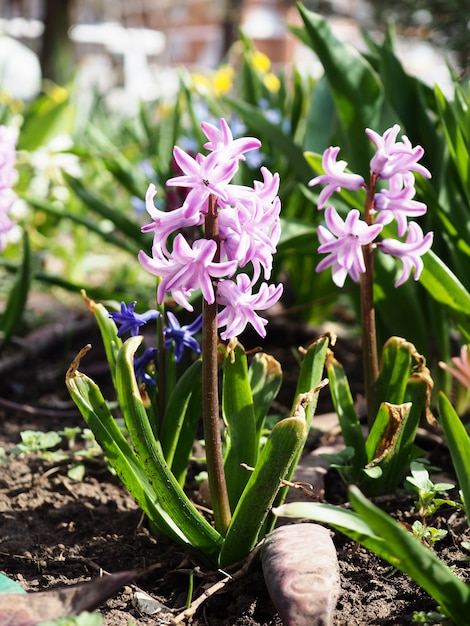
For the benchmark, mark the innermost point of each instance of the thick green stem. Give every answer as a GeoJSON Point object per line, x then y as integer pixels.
{"type": "Point", "coordinates": [369, 339]}
{"type": "Point", "coordinates": [210, 402]}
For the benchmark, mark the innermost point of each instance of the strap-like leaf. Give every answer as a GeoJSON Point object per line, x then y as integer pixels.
{"type": "Point", "coordinates": [13, 313]}
{"type": "Point", "coordinates": [458, 441]}
{"type": "Point", "coordinates": [89, 400]}
{"type": "Point", "coordinates": [347, 416]}
{"type": "Point", "coordinates": [239, 417]}
{"type": "Point", "coordinates": [409, 555]}
{"type": "Point", "coordinates": [172, 499]}
{"type": "Point", "coordinates": [176, 409]}
{"type": "Point", "coordinates": [282, 447]}
{"type": "Point", "coordinates": [356, 89]}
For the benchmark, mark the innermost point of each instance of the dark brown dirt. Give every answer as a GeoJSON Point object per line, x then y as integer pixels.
{"type": "Point", "coordinates": [55, 531]}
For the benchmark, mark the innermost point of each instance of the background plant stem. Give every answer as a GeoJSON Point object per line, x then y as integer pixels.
{"type": "Point", "coordinates": [369, 338]}
{"type": "Point", "coordinates": [210, 392]}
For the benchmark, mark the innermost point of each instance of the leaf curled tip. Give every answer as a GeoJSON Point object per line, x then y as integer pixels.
{"type": "Point", "coordinates": [231, 347]}
{"type": "Point", "coordinates": [72, 370]}
{"type": "Point", "coordinates": [273, 366]}
{"type": "Point", "coordinates": [91, 304]}
{"type": "Point", "coordinates": [329, 335]}
{"type": "Point", "coordinates": [304, 399]}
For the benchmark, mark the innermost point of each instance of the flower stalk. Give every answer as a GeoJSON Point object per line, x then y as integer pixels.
{"type": "Point", "coordinates": [241, 231]}
{"type": "Point", "coordinates": [350, 244]}
{"type": "Point", "coordinates": [210, 404]}
{"type": "Point", "coordinates": [369, 335]}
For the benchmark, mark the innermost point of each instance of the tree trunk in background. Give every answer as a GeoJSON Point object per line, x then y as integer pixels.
{"type": "Point", "coordinates": [56, 55]}
{"type": "Point", "coordinates": [231, 23]}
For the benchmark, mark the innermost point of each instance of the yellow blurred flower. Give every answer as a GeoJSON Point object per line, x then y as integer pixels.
{"type": "Point", "coordinates": [200, 81]}
{"type": "Point", "coordinates": [164, 109]}
{"type": "Point", "coordinates": [272, 82]}
{"type": "Point", "coordinates": [222, 80]}
{"type": "Point", "coordinates": [261, 62]}
{"type": "Point", "coordinates": [58, 94]}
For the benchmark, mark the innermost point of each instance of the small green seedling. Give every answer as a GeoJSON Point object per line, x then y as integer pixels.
{"type": "Point", "coordinates": [84, 619]}
{"type": "Point", "coordinates": [429, 618]}
{"type": "Point", "coordinates": [427, 502]}
{"type": "Point", "coordinates": [49, 446]}
{"type": "Point", "coordinates": [39, 443]}
{"type": "Point", "coordinates": [71, 434]}
{"type": "Point", "coordinates": [427, 534]}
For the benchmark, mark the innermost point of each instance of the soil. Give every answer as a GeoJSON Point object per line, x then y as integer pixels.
{"type": "Point", "coordinates": [56, 531]}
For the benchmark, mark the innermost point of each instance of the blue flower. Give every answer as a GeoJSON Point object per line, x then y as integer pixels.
{"type": "Point", "coordinates": [182, 335]}
{"type": "Point", "coordinates": [141, 363]}
{"type": "Point", "coordinates": [131, 321]}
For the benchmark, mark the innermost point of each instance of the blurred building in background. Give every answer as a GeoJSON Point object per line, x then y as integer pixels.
{"type": "Point", "coordinates": [194, 32]}
{"type": "Point", "coordinates": [137, 44]}
{"type": "Point", "coordinates": [132, 38]}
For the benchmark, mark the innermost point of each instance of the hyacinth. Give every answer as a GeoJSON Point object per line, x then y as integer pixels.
{"type": "Point", "coordinates": [8, 177]}
{"type": "Point", "coordinates": [335, 178]}
{"type": "Point", "coordinates": [141, 365]}
{"type": "Point", "coordinates": [175, 335]}
{"type": "Point", "coordinates": [130, 321]}
{"type": "Point", "coordinates": [461, 369]}
{"type": "Point", "coordinates": [394, 162]}
{"type": "Point", "coordinates": [343, 241]}
{"type": "Point", "coordinates": [395, 157]}
{"type": "Point", "coordinates": [181, 336]}
{"type": "Point", "coordinates": [248, 233]}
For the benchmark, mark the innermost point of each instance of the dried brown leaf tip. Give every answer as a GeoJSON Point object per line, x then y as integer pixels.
{"type": "Point", "coordinates": [73, 368]}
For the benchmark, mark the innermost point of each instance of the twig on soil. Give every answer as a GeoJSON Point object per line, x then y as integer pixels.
{"type": "Point", "coordinates": [207, 593]}
{"type": "Point", "coordinates": [42, 340]}
{"type": "Point", "coordinates": [305, 488]}
{"type": "Point", "coordinates": [27, 409]}
{"type": "Point", "coordinates": [97, 568]}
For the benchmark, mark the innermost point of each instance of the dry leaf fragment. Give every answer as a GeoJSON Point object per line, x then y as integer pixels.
{"type": "Point", "coordinates": [19, 609]}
